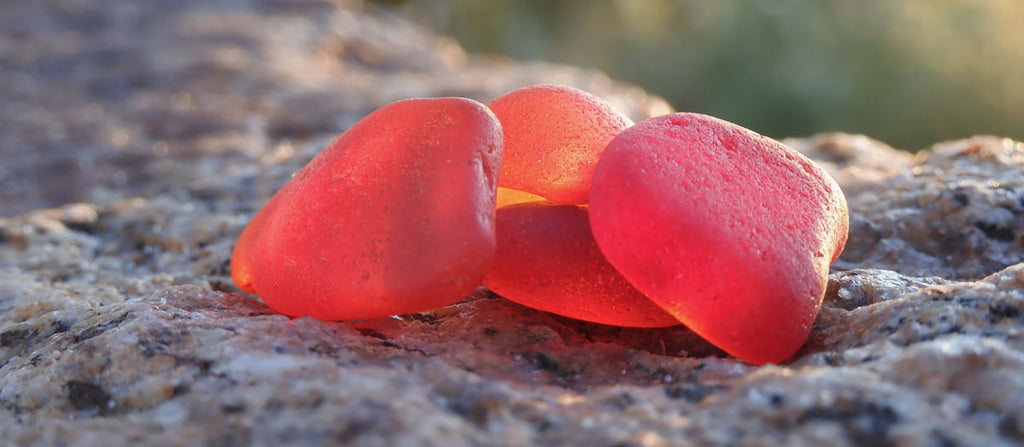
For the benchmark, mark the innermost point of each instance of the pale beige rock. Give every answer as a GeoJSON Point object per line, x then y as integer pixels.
{"type": "Point", "coordinates": [173, 121]}
{"type": "Point", "coordinates": [955, 211]}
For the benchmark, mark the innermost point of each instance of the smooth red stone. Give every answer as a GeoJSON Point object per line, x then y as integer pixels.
{"type": "Point", "coordinates": [395, 216]}
{"type": "Point", "coordinates": [554, 136]}
{"type": "Point", "coordinates": [548, 260]}
{"type": "Point", "coordinates": [729, 231]}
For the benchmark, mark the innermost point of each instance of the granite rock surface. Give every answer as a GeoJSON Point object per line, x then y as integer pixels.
{"type": "Point", "coordinates": [137, 139]}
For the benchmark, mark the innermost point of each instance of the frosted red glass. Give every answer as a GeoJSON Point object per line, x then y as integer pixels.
{"type": "Point", "coordinates": [395, 216]}
{"type": "Point", "coordinates": [729, 231]}
{"type": "Point", "coordinates": [554, 136]}
{"type": "Point", "coordinates": [548, 260]}
{"type": "Point", "coordinates": [508, 197]}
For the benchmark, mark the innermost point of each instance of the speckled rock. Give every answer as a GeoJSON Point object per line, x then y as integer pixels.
{"type": "Point", "coordinates": [955, 210]}
{"type": "Point", "coordinates": [171, 122]}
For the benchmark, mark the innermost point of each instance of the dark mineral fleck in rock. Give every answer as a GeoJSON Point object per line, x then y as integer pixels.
{"type": "Point", "coordinates": [88, 396]}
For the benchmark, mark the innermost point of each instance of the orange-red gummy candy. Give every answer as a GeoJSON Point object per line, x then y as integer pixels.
{"type": "Point", "coordinates": [729, 231]}
{"type": "Point", "coordinates": [554, 136]}
{"type": "Point", "coordinates": [395, 216]}
{"type": "Point", "coordinates": [548, 260]}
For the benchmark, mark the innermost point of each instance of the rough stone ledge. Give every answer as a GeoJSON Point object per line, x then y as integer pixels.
{"type": "Point", "coordinates": [191, 365]}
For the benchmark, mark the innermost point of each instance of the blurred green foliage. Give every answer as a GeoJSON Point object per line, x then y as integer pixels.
{"type": "Point", "coordinates": [907, 72]}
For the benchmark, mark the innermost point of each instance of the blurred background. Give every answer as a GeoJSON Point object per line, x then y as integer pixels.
{"type": "Point", "coordinates": [909, 73]}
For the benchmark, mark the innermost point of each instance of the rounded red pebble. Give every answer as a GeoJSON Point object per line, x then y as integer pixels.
{"type": "Point", "coordinates": [729, 231]}
{"type": "Point", "coordinates": [554, 136]}
{"type": "Point", "coordinates": [548, 260]}
{"type": "Point", "coordinates": [395, 216]}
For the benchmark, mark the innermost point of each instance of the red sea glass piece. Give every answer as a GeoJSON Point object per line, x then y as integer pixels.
{"type": "Point", "coordinates": [548, 260]}
{"type": "Point", "coordinates": [508, 197]}
{"type": "Point", "coordinates": [554, 136]}
{"type": "Point", "coordinates": [395, 216]}
{"type": "Point", "coordinates": [729, 231]}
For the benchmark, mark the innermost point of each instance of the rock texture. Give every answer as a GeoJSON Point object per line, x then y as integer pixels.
{"type": "Point", "coordinates": [955, 210]}
{"type": "Point", "coordinates": [171, 122]}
